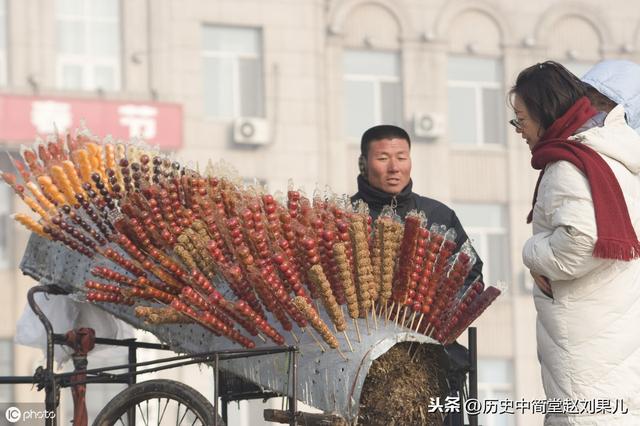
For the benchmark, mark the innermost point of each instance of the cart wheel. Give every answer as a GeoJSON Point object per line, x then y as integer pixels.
{"type": "Point", "coordinates": [157, 402]}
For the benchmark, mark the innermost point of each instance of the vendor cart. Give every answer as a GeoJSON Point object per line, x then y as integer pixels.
{"type": "Point", "coordinates": [319, 378]}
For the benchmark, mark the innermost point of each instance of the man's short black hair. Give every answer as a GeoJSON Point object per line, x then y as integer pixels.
{"type": "Point", "coordinates": [383, 131]}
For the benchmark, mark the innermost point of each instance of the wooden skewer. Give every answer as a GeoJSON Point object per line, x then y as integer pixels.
{"type": "Point", "coordinates": [366, 319]}
{"type": "Point", "coordinates": [355, 322]}
{"type": "Point", "coordinates": [393, 305]}
{"type": "Point", "coordinates": [415, 353]}
{"type": "Point", "coordinates": [413, 317]}
{"type": "Point", "coordinates": [261, 337]}
{"type": "Point", "coordinates": [428, 332]}
{"type": "Point", "coordinates": [294, 336]}
{"type": "Point", "coordinates": [397, 314]}
{"type": "Point", "coordinates": [419, 322]}
{"type": "Point", "coordinates": [346, 336]}
{"type": "Point", "coordinates": [410, 347]}
{"type": "Point", "coordinates": [317, 341]}
{"type": "Point", "coordinates": [342, 355]}
{"type": "Point", "coordinates": [373, 314]}
{"type": "Point", "coordinates": [404, 315]}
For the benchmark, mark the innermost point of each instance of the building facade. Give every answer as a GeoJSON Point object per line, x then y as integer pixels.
{"type": "Point", "coordinates": [282, 89]}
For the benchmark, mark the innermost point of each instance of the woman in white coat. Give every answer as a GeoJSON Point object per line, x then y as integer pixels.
{"type": "Point", "coordinates": [584, 250]}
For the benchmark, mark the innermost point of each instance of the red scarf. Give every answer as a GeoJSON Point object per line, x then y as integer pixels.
{"type": "Point", "coordinates": [617, 238]}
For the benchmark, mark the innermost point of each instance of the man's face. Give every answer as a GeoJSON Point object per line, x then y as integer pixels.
{"type": "Point", "coordinates": [389, 164]}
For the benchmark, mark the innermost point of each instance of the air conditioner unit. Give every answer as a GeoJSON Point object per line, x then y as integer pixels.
{"type": "Point", "coordinates": [428, 125]}
{"type": "Point", "coordinates": [251, 131]}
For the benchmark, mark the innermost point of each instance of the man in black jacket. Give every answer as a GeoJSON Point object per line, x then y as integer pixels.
{"type": "Point", "coordinates": [385, 179]}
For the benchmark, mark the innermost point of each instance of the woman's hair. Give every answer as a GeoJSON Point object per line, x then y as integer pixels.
{"type": "Point", "coordinates": [599, 100]}
{"type": "Point", "coordinates": [548, 90]}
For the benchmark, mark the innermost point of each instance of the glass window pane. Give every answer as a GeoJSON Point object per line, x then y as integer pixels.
{"type": "Point", "coordinates": [391, 99]}
{"type": "Point", "coordinates": [498, 258]}
{"type": "Point", "coordinates": [462, 115]}
{"type": "Point", "coordinates": [466, 68]}
{"type": "Point", "coordinates": [103, 8]}
{"type": "Point", "coordinates": [371, 63]}
{"type": "Point", "coordinates": [359, 107]}
{"type": "Point", "coordinates": [70, 7]}
{"type": "Point", "coordinates": [493, 106]}
{"type": "Point", "coordinates": [72, 77]}
{"type": "Point", "coordinates": [104, 39]}
{"type": "Point", "coordinates": [251, 97]}
{"type": "Point", "coordinates": [218, 87]}
{"type": "Point", "coordinates": [71, 37]}
{"type": "Point", "coordinates": [105, 78]}
{"type": "Point", "coordinates": [231, 40]}
{"type": "Point", "coordinates": [481, 215]}
{"type": "Point", "coordinates": [494, 371]}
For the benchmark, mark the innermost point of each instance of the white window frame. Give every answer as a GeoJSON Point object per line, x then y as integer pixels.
{"type": "Point", "coordinates": [477, 86]}
{"type": "Point", "coordinates": [377, 81]}
{"type": "Point", "coordinates": [89, 62]}
{"type": "Point", "coordinates": [236, 95]}
{"type": "Point", "coordinates": [479, 141]}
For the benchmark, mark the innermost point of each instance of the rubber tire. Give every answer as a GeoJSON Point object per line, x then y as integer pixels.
{"type": "Point", "coordinates": [152, 389]}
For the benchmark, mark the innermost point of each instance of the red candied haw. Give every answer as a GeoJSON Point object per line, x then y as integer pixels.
{"type": "Point", "coordinates": [328, 236]}
{"type": "Point", "coordinates": [342, 227]}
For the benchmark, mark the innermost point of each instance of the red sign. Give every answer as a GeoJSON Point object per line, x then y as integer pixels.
{"type": "Point", "coordinates": [22, 118]}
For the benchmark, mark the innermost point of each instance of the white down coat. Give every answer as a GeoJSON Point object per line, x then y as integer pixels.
{"type": "Point", "coordinates": [588, 335]}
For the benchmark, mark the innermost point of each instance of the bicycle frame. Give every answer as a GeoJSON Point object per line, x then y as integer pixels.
{"type": "Point", "coordinates": [47, 379]}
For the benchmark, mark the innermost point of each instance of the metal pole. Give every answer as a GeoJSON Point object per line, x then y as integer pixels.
{"type": "Point", "coordinates": [215, 390]}
{"type": "Point", "coordinates": [225, 410]}
{"type": "Point", "coordinates": [293, 400]}
{"type": "Point", "coordinates": [50, 390]}
{"type": "Point", "coordinates": [133, 359]}
{"type": "Point", "coordinates": [473, 371]}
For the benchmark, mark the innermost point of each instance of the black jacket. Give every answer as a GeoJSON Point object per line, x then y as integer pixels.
{"type": "Point", "coordinates": [408, 200]}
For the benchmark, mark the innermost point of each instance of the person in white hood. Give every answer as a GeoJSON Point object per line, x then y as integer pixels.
{"type": "Point", "coordinates": [584, 251]}
{"type": "Point", "coordinates": [619, 81]}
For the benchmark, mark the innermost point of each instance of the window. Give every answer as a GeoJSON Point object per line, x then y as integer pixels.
{"type": "Point", "coordinates": [495, 382]}
{"type": "Point", "coordinates": [88, 44]}
{"type": "Point", "coordinates": [6, 368]}
{"type": "Point", "coordinates": [3, 42]}
{"type": "Point", "coordinates": [476, 101]}
{"type": "Point", "coordinates": [373, 90]}
{"type": "Point", "coordinates": [233, 80]}
{"type": "Point", "coordinates": [487, 228]}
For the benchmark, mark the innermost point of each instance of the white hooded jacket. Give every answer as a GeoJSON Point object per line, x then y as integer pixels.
{"type": "Point", "coordinates": [588, 338]}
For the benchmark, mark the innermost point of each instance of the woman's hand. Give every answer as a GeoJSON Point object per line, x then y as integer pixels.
{"type": "Point", "coordinates": [543, 284]}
